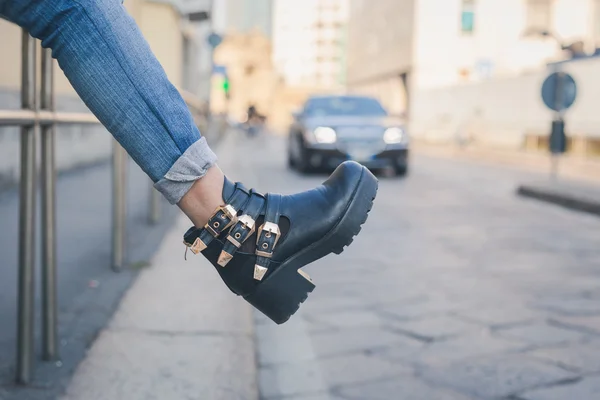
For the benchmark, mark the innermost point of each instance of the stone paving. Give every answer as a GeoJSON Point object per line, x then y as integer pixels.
{"type": "Point", "coordinates": [456, 289]}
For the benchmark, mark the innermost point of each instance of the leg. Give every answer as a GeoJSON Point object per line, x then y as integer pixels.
{"type": "Point", "coordinates": [110, 65]}
{"type": "Point", "coordinates": [258, 243]}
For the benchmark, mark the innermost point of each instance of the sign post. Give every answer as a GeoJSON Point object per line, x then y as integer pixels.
{"type": "Point", "coordinates": [559, 92]}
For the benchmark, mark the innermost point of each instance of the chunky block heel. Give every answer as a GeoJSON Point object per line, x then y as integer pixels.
{"type": "Point", "coordinates": [280, 296]}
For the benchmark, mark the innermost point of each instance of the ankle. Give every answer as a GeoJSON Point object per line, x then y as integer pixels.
{"type": "Point", "coordinates": [204, 197]}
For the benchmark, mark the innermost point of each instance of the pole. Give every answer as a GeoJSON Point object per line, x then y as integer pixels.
{"type": "Point", "coordinates": [554, 158]}
{"type": "Point", "coordinates": [26, 296]}
{"type": "Point", "coordinates": [119, 161]}
{"type": "Point", "coordinates": [48, 175]}
{"type": "Point", "coordinates": [558, 117]}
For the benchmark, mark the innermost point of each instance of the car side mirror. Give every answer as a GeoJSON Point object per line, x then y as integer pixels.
{"type": "Point", "coordinates": [297, 115]}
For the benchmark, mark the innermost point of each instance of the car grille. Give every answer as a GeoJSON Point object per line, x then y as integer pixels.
{"type": "Point", "coordinates": [365, 139]}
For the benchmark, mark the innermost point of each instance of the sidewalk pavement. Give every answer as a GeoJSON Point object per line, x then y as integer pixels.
{"type": "Point", "coordinates": [570, 168]}
{"type": "Point", "coordinates": [178, 334]}
{"type": "Point", "coordinates": [576, 187]}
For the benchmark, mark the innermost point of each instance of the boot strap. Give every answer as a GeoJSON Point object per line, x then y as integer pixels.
{"type": "Point", "coordinates": [241, 228]}
{"type": "Point", "coordinates": [267, 237]}
{"type": "Point", "coordinates": [244, 227]}
{"type": "Point", "coordinates": [222, 219]}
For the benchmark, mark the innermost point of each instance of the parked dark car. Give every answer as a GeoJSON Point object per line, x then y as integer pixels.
{"type": "Point", "coordinates": [332, 129]}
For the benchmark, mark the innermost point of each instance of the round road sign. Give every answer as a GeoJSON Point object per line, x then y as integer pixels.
{"type": "Point", "coordinates": [559, 91]}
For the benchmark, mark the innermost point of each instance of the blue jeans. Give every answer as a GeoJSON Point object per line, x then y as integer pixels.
{"type": "Point", "coordinates": [105, 57]}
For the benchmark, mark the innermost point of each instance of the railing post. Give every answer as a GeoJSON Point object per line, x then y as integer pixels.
{"type": "Point", "coordinates": [26, 297]}
{"type": "Point", "coordinates": [48, 175]}
{"type": "Point", "coordinates": [119, 170]}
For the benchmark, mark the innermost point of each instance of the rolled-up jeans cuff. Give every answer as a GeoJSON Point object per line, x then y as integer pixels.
{"type": "Point", "coordinates": [191, 166]}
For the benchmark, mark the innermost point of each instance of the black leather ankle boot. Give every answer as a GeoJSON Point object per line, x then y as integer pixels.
{"type": "Point", "coordinates": [258, 243]}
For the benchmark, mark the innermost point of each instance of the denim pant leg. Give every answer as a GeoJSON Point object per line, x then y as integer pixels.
{"type": "Point", "coordinates": [105, 57]}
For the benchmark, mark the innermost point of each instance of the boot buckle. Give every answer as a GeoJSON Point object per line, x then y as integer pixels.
{"type": "Point", "coordinates": [215, 225]}
{"type": "Point", "coordinates": [264, 244]}
{"type": "Point", "coordinates": [239, 237]}
{"type": "Point", "coordinates": [229, 211]}
{"type": "Point", "coordinates": [248, 222]}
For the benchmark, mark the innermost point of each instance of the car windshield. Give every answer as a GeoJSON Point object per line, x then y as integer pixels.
{"type": "Point", "coordinates": [342, 106]}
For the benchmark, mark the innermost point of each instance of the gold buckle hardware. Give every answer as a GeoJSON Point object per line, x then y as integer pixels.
{"type": "Point", "coordinates": [198, 246]}
{"type": "Point", "coordinates": [248, 224]}
{"type": "Point", "coordinates": [259, 272]}
{"type": "Point", "coordinates": [271, 229]}
{"type": "Point", "coordinates": [229, 212]}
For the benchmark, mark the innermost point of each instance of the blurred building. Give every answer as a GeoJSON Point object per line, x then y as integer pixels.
{"type": "Point", "coordinates": [309, 40]}
{"type": "Point", "coordinates": [172, 37]}
{"type": "Point", "coordinates": [243, 16]}
{"type": "Point", "coordinates": [245, 59]}
{"type": "Point", "coordinates": [475, 67]}
{"type": "Point", "coordinates": [380, 49]}
{"type": "Point", "coordinates": [165, 25]}
{"type": "Point", "coordinates": [229, 17]}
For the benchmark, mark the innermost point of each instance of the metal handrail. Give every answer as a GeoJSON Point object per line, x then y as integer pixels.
{"type": "Point", "coordinates": [44, 117]}
{"type": "Point", "coordinates": [29, 119]}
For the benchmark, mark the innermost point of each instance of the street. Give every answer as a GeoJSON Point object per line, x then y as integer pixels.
{"type": "Point", "coordinates": [476, 275]}
{"type": "Point", "coordinates": [455, 289]}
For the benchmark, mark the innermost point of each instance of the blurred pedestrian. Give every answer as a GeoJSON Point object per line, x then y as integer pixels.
{"type": "Point", "coordinates": [254, 121]}
{"type": "Point", "coordinates": [256, 242]}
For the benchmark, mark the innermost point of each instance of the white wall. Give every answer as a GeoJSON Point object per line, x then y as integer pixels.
{"type": "Point", "coordinates": [500, 107]}
{"type": "Point", "coordinates": [441, 50]}
{"type": "Point", "coordinates": [380, 39]}
{"type": "Point", "coordinates": [294, 54]}
{"type": "Point", "coordinates": [502, 111]}
{"type": "Point", "coordinates": [248, 15]}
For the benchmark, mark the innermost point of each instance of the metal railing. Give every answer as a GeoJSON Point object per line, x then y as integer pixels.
{"type": "Point", "coordinates": [41, 116]}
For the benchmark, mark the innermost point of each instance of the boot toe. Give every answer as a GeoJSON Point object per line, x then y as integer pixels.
{"type": "Point", "coordinates": [345, 176]}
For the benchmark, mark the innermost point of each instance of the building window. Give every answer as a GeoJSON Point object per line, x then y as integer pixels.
{"type": "Point", "coordinates": [467, 17]}
{"type": "Point", "coordinates": [539, 16]}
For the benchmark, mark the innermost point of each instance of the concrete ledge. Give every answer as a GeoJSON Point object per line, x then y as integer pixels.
{"type": "Point", "coordinates": [566, 194]}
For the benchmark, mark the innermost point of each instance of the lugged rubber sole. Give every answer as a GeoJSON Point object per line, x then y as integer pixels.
{"type": "Point", "coordinates": [281, 294]}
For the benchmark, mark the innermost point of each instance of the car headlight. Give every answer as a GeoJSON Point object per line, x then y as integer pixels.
{"type": "Point", "coordinates": [324, 134]}
{"type": "Point", "coordinates": [394, 136]}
